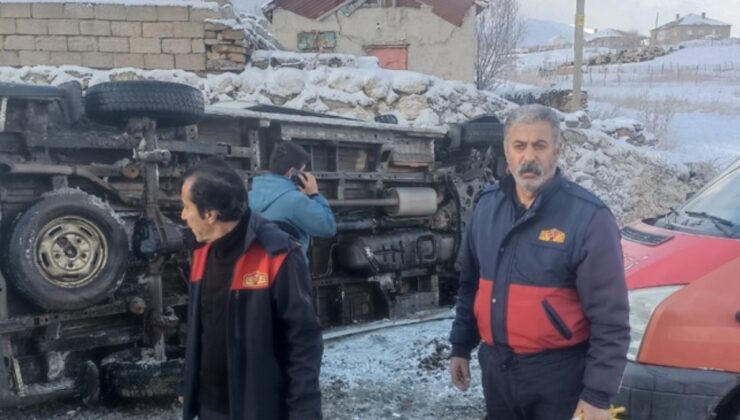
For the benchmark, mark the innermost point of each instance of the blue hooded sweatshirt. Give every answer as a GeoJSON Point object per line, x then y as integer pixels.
{"type": "Point", "coordinates": [277, 199]}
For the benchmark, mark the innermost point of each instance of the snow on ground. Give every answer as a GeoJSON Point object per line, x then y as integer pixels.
{"type": "Point", "coordinates": [398, 373]}
{"type": "Point", "coordinates": [690, 98]}
{"type": "Point", "coordinates": [550, 60]}
{"type": "Point", "coordinates": [698, 86]}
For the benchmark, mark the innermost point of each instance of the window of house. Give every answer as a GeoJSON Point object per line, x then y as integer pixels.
{"type": "Point", "coordinates": [701, 32]}
{"type": "Point", "coordinates": [317, 41]}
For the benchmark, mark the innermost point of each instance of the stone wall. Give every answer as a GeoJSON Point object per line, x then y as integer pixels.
{"type": "Point", "coordinates": [105, 36]}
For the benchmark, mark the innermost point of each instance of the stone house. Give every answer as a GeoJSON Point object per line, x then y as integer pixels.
{"type": "Point", "coordinates": [688, 28]}
{"type": "Point", "coordinates": [615, 39]}
{"type": "Point", "coordinates": [436, 37]}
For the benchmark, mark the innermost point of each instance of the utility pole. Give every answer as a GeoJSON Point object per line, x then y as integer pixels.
{"type": "Point", "coordinates": [578, 55]}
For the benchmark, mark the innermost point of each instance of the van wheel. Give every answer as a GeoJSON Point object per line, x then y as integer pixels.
{"type": "Point", "coordinates": [67, 252]}
{"type": "Point", "coordinates": [170, 104]}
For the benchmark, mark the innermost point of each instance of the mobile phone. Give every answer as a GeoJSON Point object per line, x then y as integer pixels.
{"type": "Point", "coordinates": [296, 178]}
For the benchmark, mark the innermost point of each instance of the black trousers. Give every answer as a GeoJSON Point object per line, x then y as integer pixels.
{"type": "Point", "coordinates": [543, 386]}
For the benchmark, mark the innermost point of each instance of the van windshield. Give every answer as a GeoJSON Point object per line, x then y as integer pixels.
{"type": "Point", "coordinates": [714, 211]}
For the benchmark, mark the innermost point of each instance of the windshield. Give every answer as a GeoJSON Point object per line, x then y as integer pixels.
{"type": "Point", "coordinates": [714, 211]}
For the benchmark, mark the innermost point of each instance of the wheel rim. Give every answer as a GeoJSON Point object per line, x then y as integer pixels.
{"type": "Point", "coordinates": [70, 251]}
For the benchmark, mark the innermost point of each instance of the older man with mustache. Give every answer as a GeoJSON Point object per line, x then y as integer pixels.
{"type": "Point", "coordinates": [542, 286]}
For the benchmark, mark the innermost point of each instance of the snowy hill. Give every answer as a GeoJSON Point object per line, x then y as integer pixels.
{"type": "Point", "coordinates": [543, 32]}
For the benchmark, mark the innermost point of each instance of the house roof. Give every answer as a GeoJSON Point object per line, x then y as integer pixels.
{"type": "Point", "coordinates": [612, 33]}
{"type": "Point", "coordinates": [452, 11]}
{"type": "Point", "coordinates": [692, 20]}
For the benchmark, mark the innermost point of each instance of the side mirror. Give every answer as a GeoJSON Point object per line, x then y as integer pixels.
{"type": "Point", "coordinates": [689, 195]}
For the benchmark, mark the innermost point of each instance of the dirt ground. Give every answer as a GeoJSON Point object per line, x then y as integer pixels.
{"type": "Point", "coordinates": [398, 373]}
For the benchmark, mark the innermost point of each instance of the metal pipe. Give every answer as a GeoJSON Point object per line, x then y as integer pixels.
{"type": "Point", "coordinates": [364, 202]}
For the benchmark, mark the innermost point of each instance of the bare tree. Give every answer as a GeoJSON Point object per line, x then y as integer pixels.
{"type": "Point", "coordinates": [499, 31]}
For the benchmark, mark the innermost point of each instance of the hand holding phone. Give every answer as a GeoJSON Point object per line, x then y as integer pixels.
{"type": "Point", "coordinates": [306, 183]}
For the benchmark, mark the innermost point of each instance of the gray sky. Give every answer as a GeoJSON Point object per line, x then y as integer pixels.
{"type": "Point", "coordinates": [618, 14]}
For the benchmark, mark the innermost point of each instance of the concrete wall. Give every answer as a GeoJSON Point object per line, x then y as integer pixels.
{"type": "Point", "coordinates": [678, 34]}
{"type": "Point", "coordinates": [104, 35]}
{"type": "Point", "coordinates": [435, 46]}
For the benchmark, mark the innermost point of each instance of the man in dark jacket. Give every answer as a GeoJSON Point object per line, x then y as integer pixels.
{"type": "Point", "coordinates": [542, 285]}
{"type": "Point", "coordinates": [254, 344]}
{"type": "Point", "coordinates": [290, 195]}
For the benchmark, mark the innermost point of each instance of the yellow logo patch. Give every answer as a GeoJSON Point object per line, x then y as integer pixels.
{"type": "Point", "coordinates": [256, 280]}
{"type": "Point", "coordinates": [552, 235]}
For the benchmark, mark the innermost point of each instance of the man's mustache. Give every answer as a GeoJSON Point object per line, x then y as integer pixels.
{"type": "Point", "coordinates": [531, 168]}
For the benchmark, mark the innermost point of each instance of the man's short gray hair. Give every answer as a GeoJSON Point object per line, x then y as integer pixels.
{"type": "Point", "coordinates": [527, 114]}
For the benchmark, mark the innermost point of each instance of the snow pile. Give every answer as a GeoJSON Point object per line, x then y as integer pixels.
{"type": "Point", "coordinates": [414, 98]}
{"type": "Point", "coordinates": [627, 129]}
{"type": "Point", "coordinates": [635, 182]}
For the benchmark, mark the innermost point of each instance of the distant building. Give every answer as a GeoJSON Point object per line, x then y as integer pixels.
{"type": "Point", "coordinates": [615, 39]}
{"type": "Point", "coordinates": [436, 37]}
{"type": "Point", "coordinates": [688, 28]}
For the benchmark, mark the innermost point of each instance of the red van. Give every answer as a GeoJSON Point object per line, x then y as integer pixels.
{"type": "Point", "coordinates": [683, 275]}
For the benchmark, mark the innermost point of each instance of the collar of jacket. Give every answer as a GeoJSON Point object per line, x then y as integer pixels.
{"type": "Point", "coordinates": [281, 181]}
{"type": "Point", "coordinates": [552, 186]}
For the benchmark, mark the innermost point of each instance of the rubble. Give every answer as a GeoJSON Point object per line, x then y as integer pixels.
{"type": "Point", "coordinates": [627, 129]}
{"type": "Point", "coordinates": [559, 99]}
{"type": "Point", "coordinates": [635, 182]}
{"type": "Point", "coordinates": [629, 56]}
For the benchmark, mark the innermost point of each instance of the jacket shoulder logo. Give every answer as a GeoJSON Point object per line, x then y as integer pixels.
{"type": "Point", "coordinates": [256, 280]}
{"type": "Point", "coordinates": [552, 235]}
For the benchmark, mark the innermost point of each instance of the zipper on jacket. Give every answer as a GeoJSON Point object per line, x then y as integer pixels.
{"type": "Point", "coordinates": [556, 321]}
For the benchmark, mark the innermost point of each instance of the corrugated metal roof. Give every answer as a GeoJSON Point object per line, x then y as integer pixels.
{"type": "Point", "coordinates": [453, 11]}
{"type": "Point", "coordinates": [312, 9]}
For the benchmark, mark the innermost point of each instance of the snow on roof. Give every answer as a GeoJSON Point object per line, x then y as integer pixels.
{"type": "Point", "coordinates": [195, 4]}
{"type": "Point", "coordinates": [610, 33]}
{"type": "Point", "coordinates": [693, 20]}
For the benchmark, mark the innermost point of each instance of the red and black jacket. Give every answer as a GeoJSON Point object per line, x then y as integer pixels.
{"type": "Point", "coordinates": [274, 343]}
{"type": "Point", "coordinates": [550, 279]}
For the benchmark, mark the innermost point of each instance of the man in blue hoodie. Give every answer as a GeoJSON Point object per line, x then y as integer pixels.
{"type": "Point", "coordinates": [288, 195]}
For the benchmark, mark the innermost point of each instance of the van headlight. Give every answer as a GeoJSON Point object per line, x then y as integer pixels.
{"type": "Point", "coordinates": [643, 303]}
